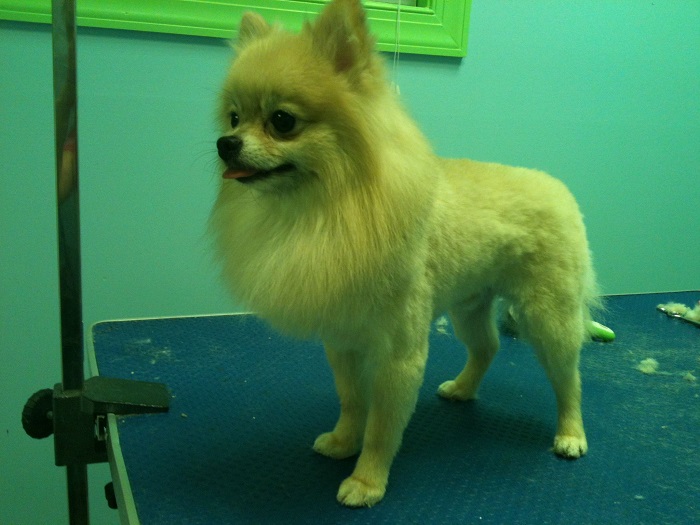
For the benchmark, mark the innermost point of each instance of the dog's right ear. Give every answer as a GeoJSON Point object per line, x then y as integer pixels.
{"type": "Point", "coordinates": [253, 26]}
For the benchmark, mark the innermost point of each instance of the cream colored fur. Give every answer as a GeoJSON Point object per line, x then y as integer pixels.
{"type": "Point", "coordinates": [370, 236]}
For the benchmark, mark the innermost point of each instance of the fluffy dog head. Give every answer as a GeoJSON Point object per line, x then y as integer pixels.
{"type": "Point", "coordinates": [325, 177]}
{"type": "Point", "coordinates": [296, 108]}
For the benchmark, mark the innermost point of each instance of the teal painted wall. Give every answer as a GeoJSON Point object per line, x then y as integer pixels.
{"type": "Point", "coordinates": [604, 95]}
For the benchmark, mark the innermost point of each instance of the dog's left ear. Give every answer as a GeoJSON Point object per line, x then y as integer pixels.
{"type": "Point", "coordinates": [342, 35]}
{"type": "Point", "coordinates": [253, 26]}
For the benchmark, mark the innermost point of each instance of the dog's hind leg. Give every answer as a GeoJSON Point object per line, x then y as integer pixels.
{"type": "Point", "coordinates": [475, 326]}
{"type": "Point", "coordinates": [557, 336]}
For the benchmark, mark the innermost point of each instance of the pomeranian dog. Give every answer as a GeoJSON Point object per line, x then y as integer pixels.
{"type": "Point", "coordinates": [336, 220]}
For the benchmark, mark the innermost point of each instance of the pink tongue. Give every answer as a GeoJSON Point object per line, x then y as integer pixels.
{"type": "Point", "coordinates": [237, 174]}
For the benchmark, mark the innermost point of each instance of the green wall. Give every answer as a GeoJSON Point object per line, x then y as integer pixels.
{"type": "Point", "coordinates": [605, 95]}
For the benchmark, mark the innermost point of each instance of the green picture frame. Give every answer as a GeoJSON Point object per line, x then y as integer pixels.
{"type": "Point", "coordinates": [439, 28]}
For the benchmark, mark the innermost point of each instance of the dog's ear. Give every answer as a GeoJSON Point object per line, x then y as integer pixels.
{"type": "Point", "coordinates": [341, 34]}
{"type": "Point", "coordinates": [253, 26]}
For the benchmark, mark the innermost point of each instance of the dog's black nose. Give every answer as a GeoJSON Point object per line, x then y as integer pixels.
{"type": "Point", "coordinates": [229, 148]}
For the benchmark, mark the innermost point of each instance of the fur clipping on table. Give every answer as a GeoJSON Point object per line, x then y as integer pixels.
{"type": "Point", "coordinates": [681, 311]}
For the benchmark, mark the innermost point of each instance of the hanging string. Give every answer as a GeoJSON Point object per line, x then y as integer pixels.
{"type": "Point", "coordinates": [397, 50]}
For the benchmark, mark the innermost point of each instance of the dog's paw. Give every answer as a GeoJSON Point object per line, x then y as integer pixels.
{"type": "Point", "coordinates": [570, 447]}
{"type": "Point", "coordinates": [354, 492]}
{"type": "Point", "coordinates": [329, 444]}
{"type": "Point", "coordinates": [450, 390]}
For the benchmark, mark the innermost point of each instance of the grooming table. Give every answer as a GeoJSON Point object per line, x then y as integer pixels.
{"type": "Point", "coordinates": [248, 403]}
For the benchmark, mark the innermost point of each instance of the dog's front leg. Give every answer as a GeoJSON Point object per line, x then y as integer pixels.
{"type": "Point", "coordinates": [393, 387]}
{"type": "Point", "coordinates": [346, 438]}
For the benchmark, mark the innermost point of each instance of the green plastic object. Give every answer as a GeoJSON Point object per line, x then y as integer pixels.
{"type": "Point", "coordinates": [600, 332]}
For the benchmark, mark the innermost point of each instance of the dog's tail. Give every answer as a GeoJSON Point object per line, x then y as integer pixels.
{"type": "Point", "coordinates": [594, 308]}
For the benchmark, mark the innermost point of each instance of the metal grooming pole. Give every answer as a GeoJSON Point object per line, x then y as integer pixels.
{"type": "Point", "coordinates": [75, 410]}
{"type": "Point", "coordinates": [66, 134]}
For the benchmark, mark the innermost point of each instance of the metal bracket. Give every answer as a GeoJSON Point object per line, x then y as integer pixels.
{"type": "Point", "coordinates": [78, 415]}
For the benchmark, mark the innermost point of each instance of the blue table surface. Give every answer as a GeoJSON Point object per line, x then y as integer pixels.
{"type": "Point", "coordinates": [248, 404]}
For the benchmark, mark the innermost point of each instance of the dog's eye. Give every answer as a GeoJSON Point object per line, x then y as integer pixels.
{"type": "Point", "coordinates": [234, 119]}
{"type": "Point", "coordinates": [282, 121]}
